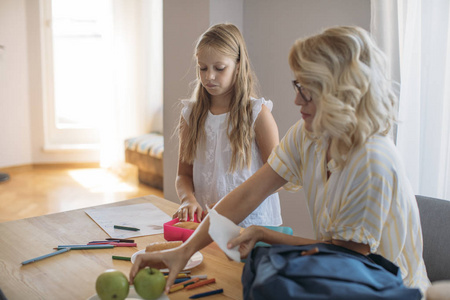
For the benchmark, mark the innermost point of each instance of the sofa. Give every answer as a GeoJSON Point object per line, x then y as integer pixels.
{"type": "Point", "coordinates": [435, 221]}
{"type": "Point", "coordinates": [146, 152]}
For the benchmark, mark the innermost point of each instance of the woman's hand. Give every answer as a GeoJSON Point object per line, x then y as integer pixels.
{"type": "Point", "coordinates": [187, 210]}
{"type": "Point", "coordinates": [174, 259]}
{"type": "Point", "coordinates": [246, 240]}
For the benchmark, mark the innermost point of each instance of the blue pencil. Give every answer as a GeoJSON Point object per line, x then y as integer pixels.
{"type": "Point", "coordinates": [85, 247]}
{"type": "Point", "coordinates": [179, 280]}
{"type": "Point", "coordinates": [196, 296]}
{"type": "Point", "coordinates": [45, 256]}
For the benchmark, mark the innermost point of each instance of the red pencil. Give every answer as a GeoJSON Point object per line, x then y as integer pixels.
{"type": "Point", "coordinates": [116, 244]}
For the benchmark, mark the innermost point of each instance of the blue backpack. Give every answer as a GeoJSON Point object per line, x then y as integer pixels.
{"type": "Point", "coordinates": [281, 272]}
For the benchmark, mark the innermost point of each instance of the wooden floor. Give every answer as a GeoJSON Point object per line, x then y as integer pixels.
{"type": "Point", "coordinates": [37, 190]}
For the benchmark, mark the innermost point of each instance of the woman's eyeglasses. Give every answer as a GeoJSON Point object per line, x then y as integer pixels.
{"type": "Point", "coordinates": [303, 92]}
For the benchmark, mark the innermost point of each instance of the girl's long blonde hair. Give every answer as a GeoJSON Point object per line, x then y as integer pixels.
{"type": "Point", "coordinates": [228, 41]}
{"type": "Point", "coordinates": [347, 76]}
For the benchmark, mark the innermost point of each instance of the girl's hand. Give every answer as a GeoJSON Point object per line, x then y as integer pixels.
{"type": "Point", "coordinates": [246, 240]}
{"type": "Point", "coordinates": [174, 259]}
{"type": "Point", "coordinates": [189, 208]}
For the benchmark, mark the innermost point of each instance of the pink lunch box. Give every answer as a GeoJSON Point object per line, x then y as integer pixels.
{"type": "Point", "coordinates": [172, 233]}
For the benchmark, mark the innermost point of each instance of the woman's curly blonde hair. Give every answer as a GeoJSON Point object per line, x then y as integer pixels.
{"type": "Point", "coordinates": [346, 75]}
{"type": "Point", "coordinates": [227, 40]}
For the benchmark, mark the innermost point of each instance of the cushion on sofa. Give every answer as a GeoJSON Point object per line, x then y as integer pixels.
{"type": "Point", "coordinates": [146, 152]}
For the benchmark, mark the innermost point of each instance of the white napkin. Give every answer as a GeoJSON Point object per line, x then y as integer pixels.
{"type": "Point", "coordinates": [222, 230]}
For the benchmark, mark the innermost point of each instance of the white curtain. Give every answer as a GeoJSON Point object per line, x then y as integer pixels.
{"type": "Point", "coordinates": [134, 100]}
{"type": "Point", "coordinates": [423, 136]}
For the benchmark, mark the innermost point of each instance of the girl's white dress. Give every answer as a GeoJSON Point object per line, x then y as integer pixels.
{"type": "Point", "coordinates": [213, 181]}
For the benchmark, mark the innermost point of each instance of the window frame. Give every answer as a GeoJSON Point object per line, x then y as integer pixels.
{"type": "Point", "coordinates": [55, 138]}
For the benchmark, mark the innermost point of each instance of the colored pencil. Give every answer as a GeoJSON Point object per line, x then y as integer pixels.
{"type": "Point", "coordinates": [105, 242]}
{"type": "Point", "coordinates": [179, 280]}
{"type": "Point", "coordinates": [196, 296]}
{"type": "Point", "coordinates": [201, 283]}
{"type": "Point", "coordinates": [121, 257]}
{"type": "Point", "coordinates": [126, 228]}
{"type": "Point", "coordinates": [116, 244]}
{"type": "Point", "coordinates": [200, 276]}
{"type": "Point", "coordinates": [177, 286]}
{"type": "Point", "coordinates": [181, 272]}
{"type": "Point", "coordinates": [124, 244]}
{"type": "Point", "coordinates": [85, 247]}
{"type": "Point", "coordinates": [120, 240]}
{"type": "Point", "coordinates": [45, 256]}
{"type": "Point", "coordinates": [180, 275]}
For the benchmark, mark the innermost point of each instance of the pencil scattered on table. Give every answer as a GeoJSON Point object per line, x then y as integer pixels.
{"type": "Point", "coordinates": [126, 228]}
{"type": "Point", "coordinates": [85, 247]}
{"type": "Point", "coordinates": [201, 295]}
{"type": "Point", "coordinates": [120, 240]}
{"type": "Point", "coordinates": [117, 242]}
{"type": "Point", "coordinates": [175, 288]}
{"type": "Point", "coordinates": [179, 275]}
{"type": "Point", "coordinates": [180, 286]}
{"type": "Point", "coordinates": [200, 276]}
{"type": "Point", "coordinates": [45, 256]}
{"type": "Point", "coordinates": [124, 244]}
{"type": "Point", "coordinates": [201, 283]}
{"type": "Point", "coordinates": [121, 257]}
{"type": "Point", "coordinates": [179, 280]}
{"type": "Point", "coordinates": [181, 272]}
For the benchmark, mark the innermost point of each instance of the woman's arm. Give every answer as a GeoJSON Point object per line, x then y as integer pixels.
{"type": "Point", "coordinates": [253, 234]}
{"type": "Point", "coordinates": [247, 197]}
{"type": "Point", "coordinates": [184, 182]}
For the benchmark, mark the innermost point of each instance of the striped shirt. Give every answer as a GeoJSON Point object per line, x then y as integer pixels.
{"type": "Point", "coordinates": [369, 200]}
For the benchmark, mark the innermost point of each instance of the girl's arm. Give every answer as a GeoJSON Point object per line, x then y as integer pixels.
{"type": "Point", "coordinates": [184, 182]}
{"type": "Point", "coordinates": [266, 133]}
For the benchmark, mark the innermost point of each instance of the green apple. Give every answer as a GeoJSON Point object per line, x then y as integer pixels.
{"type": "Point", "coordinates": [149, 283]}
{"type": "Point", "coordinates": [112, 285]}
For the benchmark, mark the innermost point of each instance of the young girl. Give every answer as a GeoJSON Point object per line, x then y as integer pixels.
{"type": "Point", "coordinates": [225, 133]}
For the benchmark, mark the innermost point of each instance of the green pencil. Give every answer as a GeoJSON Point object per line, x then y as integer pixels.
{"type": "Point", "coordinates": [126, 228]}
{"type": "Point", "coordinates": [121, 257]}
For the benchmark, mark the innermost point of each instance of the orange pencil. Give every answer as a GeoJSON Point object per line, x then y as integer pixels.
{"type": "Point", "coordinates": [201, 283]}
{"type": "Point", "coordinates": [181, 285]}
{"type": "Point", "coordinates": [180, 275]}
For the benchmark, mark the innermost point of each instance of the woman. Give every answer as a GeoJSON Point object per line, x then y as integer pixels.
{"type": "Point", "coordinates": [358, 194]}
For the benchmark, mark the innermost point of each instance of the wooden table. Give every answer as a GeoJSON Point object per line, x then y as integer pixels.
{"type": "Point", "coordinates": [72, 275]}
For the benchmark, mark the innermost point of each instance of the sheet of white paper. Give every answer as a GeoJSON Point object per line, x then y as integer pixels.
{"type": "Point", "coordinates": [222, 230]}
{"type": "Point", "coordinates": [147, 217]}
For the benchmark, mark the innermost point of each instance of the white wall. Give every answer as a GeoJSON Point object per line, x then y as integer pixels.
{"type": "Point", "coordinates": [270, 28]}
{"type": "Point", "coordinates": [21, 105]}
{"type": "Point", "coordinates": [21, 95]}
{"type": "Point", "coordinates": [183, 23]}
{"type": "Point", "coordinates": [229, 11]}
{"type": "Point", "coordinates": [15, 128]}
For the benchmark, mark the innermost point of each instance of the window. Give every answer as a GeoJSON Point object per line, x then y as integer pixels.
{"type": "Point", "coordinates": [76, 38]}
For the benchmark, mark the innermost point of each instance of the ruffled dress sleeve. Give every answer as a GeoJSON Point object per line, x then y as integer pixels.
{"type": "Point", "coordinates": [257, 107]}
